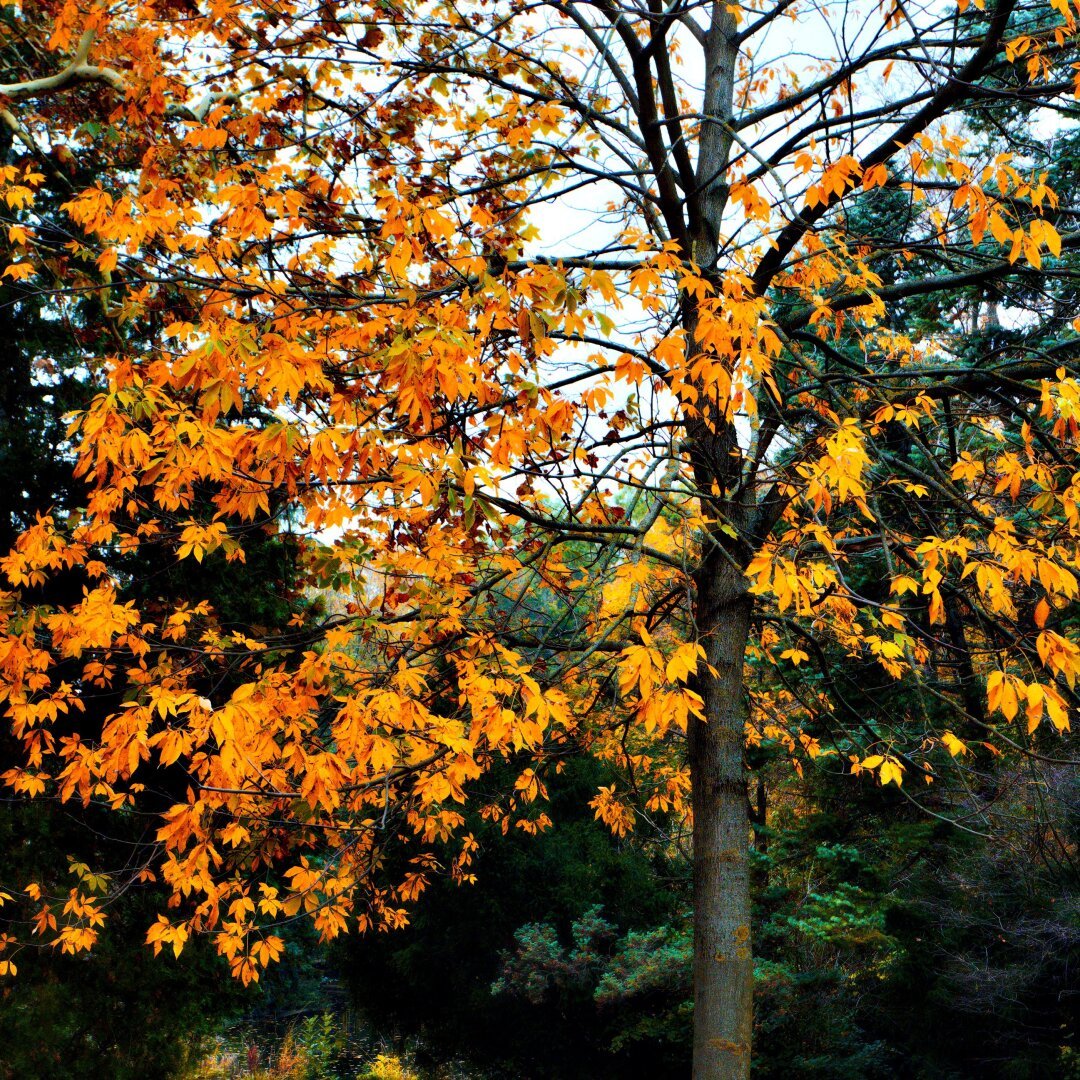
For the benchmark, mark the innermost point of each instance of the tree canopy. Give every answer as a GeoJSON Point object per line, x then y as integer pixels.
{"type": "Point", "coordinates": [606, 366]}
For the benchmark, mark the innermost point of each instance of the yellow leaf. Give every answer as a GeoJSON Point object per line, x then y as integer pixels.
{"type": "Point", "coordinates": [19, 271]}
{"type": "Point", "coordinates": [953, 744]}
{"type": "Point", "coordinates": [438, 226]}
{"type": "Point", "coordinates": [891, 772]}
{"type": "Point", "coordinates": [904, 584]}
{"type": "Point", "coordinates": [1042, 612]}
{"type": "Point", "coordinates": [999, 229]}
{"type": "Point", "coordinates": [683, 662]}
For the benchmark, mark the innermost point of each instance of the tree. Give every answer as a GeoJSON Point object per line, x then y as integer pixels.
{"type": "Point", "coordinates": [110, 1013]}
{"type": "Point", "coordinates": [337, 227]}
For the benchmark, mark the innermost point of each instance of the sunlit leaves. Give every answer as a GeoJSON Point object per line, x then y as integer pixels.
{"type": "Point", "coordinates": [1010, 695]}
{"type": "Point", "coordinates": [887, 768]}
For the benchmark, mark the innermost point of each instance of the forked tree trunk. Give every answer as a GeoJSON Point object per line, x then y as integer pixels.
{"type": "Point", "coordinates": [723, 962]}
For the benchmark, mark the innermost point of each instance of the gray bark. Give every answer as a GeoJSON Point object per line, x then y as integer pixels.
{"type": "Point", "coordinates": [723, 962]}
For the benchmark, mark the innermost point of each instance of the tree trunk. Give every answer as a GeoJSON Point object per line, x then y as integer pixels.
{"type": "Point", "coordinates": [723, 963]}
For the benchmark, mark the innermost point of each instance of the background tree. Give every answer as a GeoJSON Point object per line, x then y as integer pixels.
{"type": "Point", "coordinates": [334, 236]}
